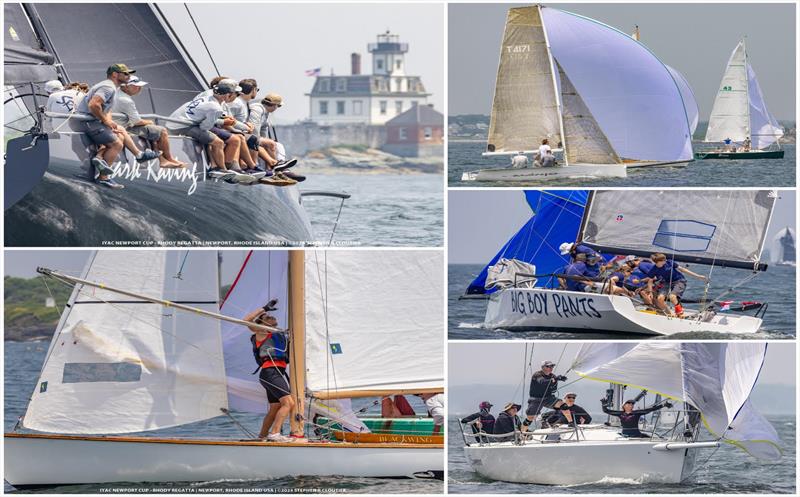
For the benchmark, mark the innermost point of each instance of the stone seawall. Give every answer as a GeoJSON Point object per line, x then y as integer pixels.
{"type": "Point", "coordinates": [304, 137]}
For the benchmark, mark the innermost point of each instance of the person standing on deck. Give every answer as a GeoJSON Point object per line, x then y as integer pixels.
{"type": "Point", "coordinates": [544, 385]}
{"type": "Point", "coordinates": [271, 351]}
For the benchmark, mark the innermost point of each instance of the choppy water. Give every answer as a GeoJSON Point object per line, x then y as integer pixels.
{"type": "Point", "coordinates": [23, 361]}
{"type": "Point", "coordinates": [726, 470]}
{"type": "Point", "coordinates": [466, 156]}
{"type": "Point", "coordinates": [385, 210]}
{"type": "Point", "coordinates": [776, 286]}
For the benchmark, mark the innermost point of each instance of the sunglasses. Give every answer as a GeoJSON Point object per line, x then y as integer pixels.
{"type": "Point", "coordinates": [270, 104]}
{"type": "Point", "coordinates": [570, 398]}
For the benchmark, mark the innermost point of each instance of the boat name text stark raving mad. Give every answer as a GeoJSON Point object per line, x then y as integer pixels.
{"type": "Point", "coordinates": [133, 171]}
{"type": "Point", "coordinates": [565, 306]}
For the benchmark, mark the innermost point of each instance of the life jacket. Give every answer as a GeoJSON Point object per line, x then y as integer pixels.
{"type": "Point", "coordinates": [273, 348]}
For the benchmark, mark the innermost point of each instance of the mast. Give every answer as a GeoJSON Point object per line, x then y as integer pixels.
{"type": "Point", "coordinates": [44, 39]}
{"type": "Point", "coordinates": [297, 349]}
{"type": "Point", "coordinates": [747, 90]}
{"type": "Point", "coordinates": [585, 218]}
{"type": "Point", "coordinates": [555, 90]}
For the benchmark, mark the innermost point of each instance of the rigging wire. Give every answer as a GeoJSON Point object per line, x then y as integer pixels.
{"type": "Point", "coordinates": [202, 39]}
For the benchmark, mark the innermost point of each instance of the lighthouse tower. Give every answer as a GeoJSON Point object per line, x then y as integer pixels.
{"type": "Point", "coordinates": [387, 55]}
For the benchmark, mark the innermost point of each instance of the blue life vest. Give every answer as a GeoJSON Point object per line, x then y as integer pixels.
{"type": "Point", "coordinates": [273, 348]}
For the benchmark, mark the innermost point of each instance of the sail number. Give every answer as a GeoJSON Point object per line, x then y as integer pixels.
{"type": "Point", "coordinates": [518, 49]}
{"type": "Point", "coordinates": [727, 88]}
{"type": "Point", "coordinates": [565, 306]}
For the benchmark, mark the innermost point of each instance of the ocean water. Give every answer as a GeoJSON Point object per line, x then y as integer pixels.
{"type": "Point", "coordinates": [466, 156]}
{"type": "Point", "coordinates": [724, 470]}
{"type": "Point", "coordinates": [776, 286]}
{"type": "Point", "coordinates": [384, 210]}
{"type": "Point", "coordinates": [23, 362]}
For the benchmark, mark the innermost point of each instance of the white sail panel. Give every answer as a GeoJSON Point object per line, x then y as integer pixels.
{"type": "Point", "coordinates": [687, 94]}
{"type": "Point", "coordinates": [524, 109]}
{"type": "Point", "coordinates": [262, 277]}
{"type": "Point", "coordinates": [629, 91]}
{"type": "Point", "coordinates": [584, 141]}
{"type": "Point", "coordinates": [783, 249]}
{"type": "Point", "coordinates": [730, 114]}
{"type": "Point", "coordinates": [122, 365]}
{"type": "Point", "coordinates": [374, 320]}
{"type": "Point", "coordinates": [764, 128]}
{"type": "Point", "coordinates": [726, 227]}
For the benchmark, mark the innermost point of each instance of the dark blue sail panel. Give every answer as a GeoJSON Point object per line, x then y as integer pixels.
{"type": "Point", "coordinates": [24, 60]}
{"type": "Point", "coordinates": [556, 219]}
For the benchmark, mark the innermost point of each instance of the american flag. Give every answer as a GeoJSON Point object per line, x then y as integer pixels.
{"type": "Point", "coordinates": [725, 305]}
{"type": "Point", "coordinates": [314, 72]}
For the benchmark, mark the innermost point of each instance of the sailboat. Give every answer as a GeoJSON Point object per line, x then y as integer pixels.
{"type": "Point", "coordinates": [740, 115]}
{"type": "Point", "coordinates": [561, 78]}
{"type": "Point", "coordinates": [712, 228]}
{"type": "Point", "coordinates": [145, 343]}
{"type": "Point", "coordinates": [784, 250]}
{"type": "Point", "coordinates": [710, 385]}
{"type": "Point", "coordinates": [50, 197]}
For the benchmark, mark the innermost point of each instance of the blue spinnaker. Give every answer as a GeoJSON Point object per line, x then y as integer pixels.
{"type": "Point", "coordinates": [556, 219]}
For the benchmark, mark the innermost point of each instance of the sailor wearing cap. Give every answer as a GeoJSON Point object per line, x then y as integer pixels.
{"type": "Point", "coordinates": [266, 130]}
{"type": "Point", "coordinates": [568, 413]}
{"type": "Point", "coordinates": [60, 99]}
{"type": "Point", "coordinates": [629, 417]}
{"type": "Point", "coordinates": [507, 423]}
{"type": "Point", "coordinates": [481, 421]}
{"type": "Point", "coordinates": [544, 385]}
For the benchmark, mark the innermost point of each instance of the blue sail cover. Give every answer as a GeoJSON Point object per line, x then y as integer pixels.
{"type": "Point", "coordinates": [629, 91]}
{"type": "Point", "coordinates": [556, 219]}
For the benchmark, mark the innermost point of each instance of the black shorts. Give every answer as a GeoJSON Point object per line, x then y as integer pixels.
{"type": "Point", "coordinates": [535, 405]}
{"type": "Point", "coordinates": [276, 382]}
{"type": "Point", "coordinates": [223, 134]}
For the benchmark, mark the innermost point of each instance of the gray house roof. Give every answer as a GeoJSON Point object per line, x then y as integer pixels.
{"type": "Point", "coordinates": [424, 115]}
{"type": "Point", "coordinates": [362, 85]}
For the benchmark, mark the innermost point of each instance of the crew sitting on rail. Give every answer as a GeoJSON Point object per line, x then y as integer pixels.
{"type": "Point", "coordinates": [636, 282]}
{"type": "Point", "coordinates": [240, 110]}
{"type": "Point", "coordinates": [569, 413]}
{"type": "Point", "coordinates": [577, 276]}
{"type": "Point", "coordinates": [544, 157]}
{"type": "Point", "coordinates": [129, 118]}
{"type": "Point", "coordinates": [507, 423]}
{"type": "Point", "coordinates": [266, 130]}
{"type": "Point", "coordinates": [616, 282]}
{"type": "Point", "coordinates": [544, 385]}
{"type": "Point", "coordinates": [672, 277]}
{"type": "Point", "coordinates": [629, 418]}
{"type": "Point", "coordinates": [61, 99]}
{"type": "Point", "coordinates": [481, 422]}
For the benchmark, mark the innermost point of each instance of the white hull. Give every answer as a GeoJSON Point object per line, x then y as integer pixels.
{"type": "Point", "coordinates": [581, 462]}
{"type": "Point", "coordinates": [52, 460]}
{"type": "Point", "coordinates": [520, 309]}
{"type": "Point", "coordinates": [573, 171]}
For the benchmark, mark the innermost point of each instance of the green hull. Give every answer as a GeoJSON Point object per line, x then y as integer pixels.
{"type": "Point", "coordinates": [772, 154]}
{"type": "Point", "coordinates": [402, 426]}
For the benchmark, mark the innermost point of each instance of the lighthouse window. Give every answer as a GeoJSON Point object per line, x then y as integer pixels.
{"type": "Point", "coordinates": [341, 84]}
{"type": "Point", "coordinates": [357, 107]}
{"type": "Point", "coordinates": [323, 108]}
{"type": "Point", "coordinates": [382, 104]}
{"type": "Point", "coordinates": [379, 64]}
{"type": "Point", "coordinates": [398, 64]}
{"type": "Point", "coordinates": [340, 107]}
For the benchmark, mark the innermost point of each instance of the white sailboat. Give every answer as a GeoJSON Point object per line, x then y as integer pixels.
{"type": "Point", "coordinates": [740, 114]}
{"type": "Point", "coordinates": [714, 228]}
{"type": "Point", "coordinates": [142, 346]}
{"type": "Point", "coordinates": [561, 78]}
{"type": "Point", "coordinates": [710, 384]}
{"type": "Point", "coordinates": [784, 251]}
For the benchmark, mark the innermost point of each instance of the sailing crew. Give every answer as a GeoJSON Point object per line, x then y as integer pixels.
{"type": "Point", "coordinates": [270, 104]}
{"type": "Point", "coordinates": [545, 157]}
{"type": "Point", "coordinates": [125, 107]}
{"type": "Point", "coordinates": [434, 402]}
{"type": "Point", "coordinates": [629, 417]}
{"type": "Point", "coordinates": [637, 282]}
{"type": "Point", "coordinates": [397, 407]}
{"type": "Point", "coordinates": [481, 421]}
{"type": "Point", "coordinates": [102, 130]}
{"type": "Point", "coordinates": [60, 99]}
{"type": "Point", "coordinates": [240, 110]}
{"type": "Point", "coordinates": [271, 351]}
{"type": "Point", "coordinates": [507, 423]}
{"type": "Point", "coordinates": [577, 276]}
{"type": "Point", "coordinates": [569, 413]}
{"type": "Point", "coordinates": [671, 276]}
{"type": "Point", "coordinates": [746, 144]}
{"type": "Point", "coordinates": [544, 385]}
{"type": "Point", "coordinates": [519, 161]}
{"type": "Point", "coordinates": [616, 281]}
{"type": "Point", "coordinates": [594, 261]}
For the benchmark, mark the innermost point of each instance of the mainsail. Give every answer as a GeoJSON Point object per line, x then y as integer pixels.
{"type": "Point", "coordinates": [24, 58]}
{"type": "Point", "coordinates": [783, 250]}
{"type": "Point", "coordinates": [714, 378]}
{"type": "Point", "coordinates": [725, 228]}
{"type": "Point", "coordinates": [121, 365]}
{"type": "Point", "coordinates": [525, 106]}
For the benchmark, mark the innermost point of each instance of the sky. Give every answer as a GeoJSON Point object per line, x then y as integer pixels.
{"type": "Point", "coordinates": [695, 39]}
{"type": "Point", "coordinates": [501, 213]}
{"type": "Point", "coordinates": [275, 43]}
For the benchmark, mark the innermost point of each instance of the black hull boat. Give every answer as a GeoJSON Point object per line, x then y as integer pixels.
{"type": "Point", "coordinates": [756, 154]}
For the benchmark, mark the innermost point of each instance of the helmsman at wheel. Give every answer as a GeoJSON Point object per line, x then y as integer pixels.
{"type": "Point", "coordinates": [544, 385]}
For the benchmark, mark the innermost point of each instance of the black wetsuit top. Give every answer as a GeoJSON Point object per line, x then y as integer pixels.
{"type": "Point", "coordinates": [579, 414]}
{"type": "Point", "coordinates": [487, 422]}
{"type": "Point", "coordinates": [505, 423]}
{"type": "Point", "coordinates": [630, 421]}
{"type": "Point", "coordinates": [542, 385]}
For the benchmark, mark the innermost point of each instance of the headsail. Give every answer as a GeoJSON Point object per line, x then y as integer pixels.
{"type": "Point", "coordinates": [584, 141]}
{"type": "Point", "coordinates": [715, 378]}
{"type": "Point", "coordinates": [764, 128]}
{"type": "Point", "coordinates": [373, 322]}
{"type": "Point", "coordinates": [525, 106]}
{"type": "Point", "coordinates": [784, 249]}
{"type": "Point", "coordinates": [725, 228]}
{"type": "Point", "coordinates": [687, 94]}
{"type": "Point", "coordinates": [122, 365]}
{"type": "Point", "coordinates": [730, 115]}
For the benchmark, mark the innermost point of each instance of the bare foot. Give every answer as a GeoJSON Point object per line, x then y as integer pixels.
{"type": "Point", "coordinates": [168, 164]}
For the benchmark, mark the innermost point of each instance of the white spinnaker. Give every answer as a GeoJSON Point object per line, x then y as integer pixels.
{"type": "Point", "coordinates": [726, 226]}
{"type": "Point", "coordinates": [524, 108]}
{"type": "Point", "coordinates": [122, 365]}
{"type": "Point", "coordinates": [689, 102]}
{"type": "Point", "coordinates": [765, 129]}
{"type": "Point", "coordinates": [715, 378]}
{"type": "Point", "coordinates": [730, 115]}
{"type": "Point", "coordinates": [262, 277]}
{"type": "Point", "coordinates": [374, 320]}
{"type": "Point", "coordinates": [585, 142]}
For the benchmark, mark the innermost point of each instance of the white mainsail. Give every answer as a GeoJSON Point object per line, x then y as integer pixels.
{"type": "Point", "coordinates": [374, 321]}
{"type": "Point", "coordinates": [714, 227]}
{"type": "Point", "coordinates": [122, 365]}
{"type": "Point", "coordinates": [730, 115]}
{"type": "Point", "coordinates": [525, 106]}
{"type": "Point", "coordinates": [715, 378]}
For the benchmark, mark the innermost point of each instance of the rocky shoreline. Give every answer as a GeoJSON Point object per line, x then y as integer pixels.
{"type": "Point", "coordinates": [357, 160]}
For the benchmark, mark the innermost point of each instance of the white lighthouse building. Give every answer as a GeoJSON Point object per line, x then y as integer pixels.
{"type": "Point", "coordinates": [368, 98]}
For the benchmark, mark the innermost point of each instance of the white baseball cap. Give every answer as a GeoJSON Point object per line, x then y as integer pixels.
{"type": "Point", "coordinates": [565, 247]}
{"type": "Point", "coordinates": [53, 86]}
{"type": "Point", "coordinates": [135, 81]}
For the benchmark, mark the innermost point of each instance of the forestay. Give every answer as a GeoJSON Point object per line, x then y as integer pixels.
{"type": "Point", "coordinates": [630, 92]}
{"type": "Point", "coordinates": [373, 321]}
{"type": "Point", "coordinates": [730, 114]}
{"type": "Point", "coordinates": [715, 378]}
{"type": "Point", "coordinates": [712, 227]}
{"type": "Point", "coordinates": [764, 128]}
{"type": "Point", "coordinates": [524, 110]}
{"type": "Point", "coordinates": [122, 365]}
{"type": "Point", "coordinates": [263, 276]}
